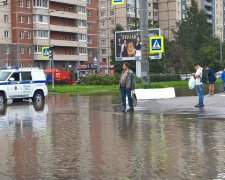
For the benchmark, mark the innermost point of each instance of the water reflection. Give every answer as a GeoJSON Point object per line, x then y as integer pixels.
{"type": "Point", "coordinates": [86, 137]}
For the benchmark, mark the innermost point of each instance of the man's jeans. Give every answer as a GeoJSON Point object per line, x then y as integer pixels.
{"type": "Point", "coordinates": [126, 92]}
{"type": "Point", "coordinates": [200, 92]}
{"type": "Point", "coordinates": [224, 86]}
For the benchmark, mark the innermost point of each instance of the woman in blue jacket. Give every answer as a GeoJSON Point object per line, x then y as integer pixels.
{"type": "Point", "coordinates": [223, 78]}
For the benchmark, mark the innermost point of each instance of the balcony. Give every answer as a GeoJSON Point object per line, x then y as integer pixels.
{"type": "Point", "coordinates": [76, 2]}
{"type": "Point", "coordinates": [64, 43]}
{"type": "Point", "coordinates": [209, 4]}
{"type": "Point", "coordinates": [70, 15]}
{"type": "Point", "coordinates": [62, 57]}
{"type": "Point", "coordinates": [69, 29]}
{"type": "Point", "coordinates": [208, 12]}
{"type": "Point", "coordinates": [209, 21]}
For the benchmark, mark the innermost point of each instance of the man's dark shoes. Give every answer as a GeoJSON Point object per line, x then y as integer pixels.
{"type": "Point", "coordinates": [123, 110]}
{"type": "Point", "coordinates": [199, 105]}
{"type": "Point", "coordinates": [130, 110]}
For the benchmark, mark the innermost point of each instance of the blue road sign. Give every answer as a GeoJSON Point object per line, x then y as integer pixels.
{"type": "Point", "coordinates": [156, 44]}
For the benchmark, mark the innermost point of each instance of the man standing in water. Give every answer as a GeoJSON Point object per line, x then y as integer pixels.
{"type": "Point", "coordinates": [199, 84]}
{"type": "Point", "coordinates": [127, 85]}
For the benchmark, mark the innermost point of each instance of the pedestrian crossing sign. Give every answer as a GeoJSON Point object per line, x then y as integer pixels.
{"type": "Point", "coordinates": [117, 2]}
{"type": "Point", "coordinates": [156, 44]}
{"type": "Point", "coordinates": [45, 52]}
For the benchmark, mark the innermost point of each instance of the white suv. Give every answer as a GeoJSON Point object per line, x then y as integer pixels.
{"type": "Point", "coordinates": [22, 83]}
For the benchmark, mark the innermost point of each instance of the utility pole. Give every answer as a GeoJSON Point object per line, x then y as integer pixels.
{"type": "Point", "coordinates": [221, 51]}
{"type": "Point", "coordinates": [144, 38]}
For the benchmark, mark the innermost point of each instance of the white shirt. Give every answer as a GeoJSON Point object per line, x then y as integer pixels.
{"type": "Point", "coordinates": [198, 80]}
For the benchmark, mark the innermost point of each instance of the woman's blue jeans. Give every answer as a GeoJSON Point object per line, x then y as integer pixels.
{"type": "Point", "coordinates": [126, 92]}
{"type": "Point", "coordinates": [200, 92]}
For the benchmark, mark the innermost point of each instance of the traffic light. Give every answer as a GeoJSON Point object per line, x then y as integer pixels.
{"type": "Point", "coordinates": [50, 52]}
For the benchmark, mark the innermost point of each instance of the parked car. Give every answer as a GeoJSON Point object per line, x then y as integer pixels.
{"type": "Point", "coordinates": [22, 83]}
{"type": "Point", "coordinates": [218, 74]}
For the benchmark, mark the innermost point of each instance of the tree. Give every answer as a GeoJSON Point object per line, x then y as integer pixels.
{"type": "Point", "coordinates": [195, 38]}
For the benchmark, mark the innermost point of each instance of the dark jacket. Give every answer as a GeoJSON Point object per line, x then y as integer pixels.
{"type": "Point", "coordinates": [223, 76]}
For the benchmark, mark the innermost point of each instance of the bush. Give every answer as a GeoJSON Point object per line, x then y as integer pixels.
{"type": "Point", "coordinates": [164, 77]}
{"type": "Point", "coordinates": [100, 80]}
{"type": "Point", "coordinates": [96, 79]}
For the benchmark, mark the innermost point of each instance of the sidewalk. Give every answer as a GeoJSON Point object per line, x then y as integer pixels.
{"type": "Point", "coordinates": [214, 106]}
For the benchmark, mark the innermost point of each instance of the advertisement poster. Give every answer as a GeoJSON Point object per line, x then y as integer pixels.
{"type": "Point", "coordinates": [128, 45]}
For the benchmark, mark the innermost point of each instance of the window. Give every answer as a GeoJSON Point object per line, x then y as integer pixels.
{"type": "Point", "coordinates": [16, 76]}
{"type": "Point", "coordinates": [28, 19]}
{"type": "Point", "coordinates": [89, 13]}
{"type": "Point", "coordinates": [21, 50]}
{"type": "Point", "coordinates": [21, 34]}
{"type": "Point", "coordinates": [103, 41]}
{"type": "Point", "coordinates": [27, 3]}
{"type": "Point", "coordinates": [103, 51]}
{"type": "Point", "coordinates": [103, 23]}
{"type": "Point", "coordinates": [29, 50]}
{"type": "Point", "coordinates": [6, 49]}
{"type": "Point", "coordinates": [82, 37]}
{"type": "Point", "coordinates": [102, 32]}
{"type": "Point", "coordinates": [38, 49]}
{"type": "Point", "coordinates": [41, 19]}
{"type": "Point", "coordinates": [20, 3]}
{"type": "Point", "coordinates": [28, 35]}
{"type": "Point", "coordinates": [103, 14]}
{"type": "Point", "coordinates": [89, 1]}
{"type": "Point", "coordinates": [112, 22]}
{"type": "Point", "coordinates": [89, 52]}
{"type": "Point", "coordinates": [82, 50]}
{"type": "Point", "coordinates": [40, 3]}
{"type": "Point", "coordinates": [102, 4]}
{"type": "Point", "coordinates": [82, 23]}
{"type": "Point", "coordinates": [63, 37]}
{"type": "Point", "coordinates": [26, 76]}
{"type": "Point", "coordinates": [20, 19]}
{"type": "Point", "coordinates": [81, 9]}
{"type": "Point", "coordinates": [43, 34]}
{"type": "Point", "coordinates": [111, 13]}
{"type": "Point", "coordinates": [6, 18]}
{"type": "Point", "coordinates": [89, 26]}
{"type": "Point", "coordinates": [6, 34]}
{"type": "Point", "coordinates": [89, 39]}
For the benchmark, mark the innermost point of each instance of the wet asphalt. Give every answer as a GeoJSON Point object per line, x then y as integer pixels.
{"type": "Point", "coordinates": [87, 137]}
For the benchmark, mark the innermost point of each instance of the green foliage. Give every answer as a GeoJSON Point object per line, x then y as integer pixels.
{"type": "Point", "coordinates": [164, 77]}
{"type": "Point", "coordinates": [96, 79]}
{"type": "Point", "coordinates": [194, 42]}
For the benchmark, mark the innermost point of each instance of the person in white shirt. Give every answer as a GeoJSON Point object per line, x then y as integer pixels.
{"type": "Point", "coordinates": [199, 84]}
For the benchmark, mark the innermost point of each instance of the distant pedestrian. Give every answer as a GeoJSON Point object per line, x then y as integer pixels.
{"type": "Point", "coordinates": [211, 79]}
{"type": "Point", "coordinates": [199, 84]}
{"type": "Point", "coordinates": [223, 78]}
{"type": "Point", "coordinates": [127, 85]}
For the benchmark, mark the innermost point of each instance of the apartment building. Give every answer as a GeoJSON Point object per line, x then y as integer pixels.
{"type": "Point", "coordinates": [28, 25]}
{"type": "Point", "coordinates": [124, 15]}
{"type": "Point", "coordinates": [92, 32]}
{"type": "Point", "coordinates": [172, 11]}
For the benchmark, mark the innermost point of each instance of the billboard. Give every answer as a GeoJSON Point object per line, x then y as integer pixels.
{"type": "Point", "coordinates": [128, 45]}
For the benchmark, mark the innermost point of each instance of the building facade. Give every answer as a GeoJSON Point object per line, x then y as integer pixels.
{"type": "Point", "coordinates": [28, 25]}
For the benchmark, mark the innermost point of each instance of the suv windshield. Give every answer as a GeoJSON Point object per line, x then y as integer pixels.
{"type": "Point", "coordinates": [4, 75]}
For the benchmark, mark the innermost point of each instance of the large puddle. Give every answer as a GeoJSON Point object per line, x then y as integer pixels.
{"type": "Point", "coordinates": [86, 137]}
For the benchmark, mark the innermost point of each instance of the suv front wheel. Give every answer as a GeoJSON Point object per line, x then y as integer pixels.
{"type": "Point", "coordinates": [38, 96]}
{"type": "Point", "coordinates": [2, 98]}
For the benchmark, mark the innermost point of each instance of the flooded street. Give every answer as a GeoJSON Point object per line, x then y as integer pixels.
{"type": "Point", "coordinates": [87, 137]}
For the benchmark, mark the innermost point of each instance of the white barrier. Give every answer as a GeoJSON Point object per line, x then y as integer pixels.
{"type": "Point", "coordinates": [162, 93]}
